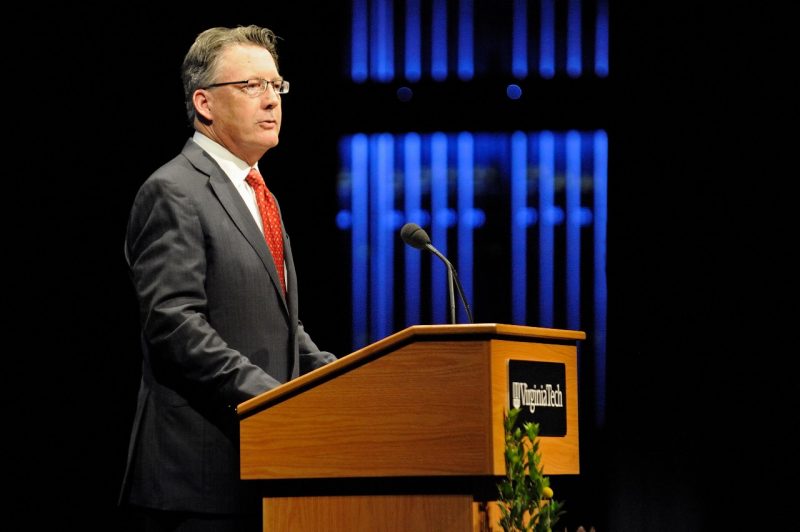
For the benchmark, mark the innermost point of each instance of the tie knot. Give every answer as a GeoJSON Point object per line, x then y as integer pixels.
{"type": "Point", "coordinates": [254, 179]}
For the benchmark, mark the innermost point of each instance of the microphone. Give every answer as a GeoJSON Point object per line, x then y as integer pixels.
{"type": "Point", "coordinates": [416, 237]}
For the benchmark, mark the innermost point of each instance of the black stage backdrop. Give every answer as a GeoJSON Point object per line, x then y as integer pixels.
{"type": "Point", "coordinates": [699, 237]}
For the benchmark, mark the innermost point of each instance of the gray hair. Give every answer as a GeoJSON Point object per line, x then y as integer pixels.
{"type": "Point", "coordinates": [201, 61]}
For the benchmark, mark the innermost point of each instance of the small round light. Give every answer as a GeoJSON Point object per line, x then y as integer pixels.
{"type": "Point", "coordinates": [404, 94]}
{"type": "Point", "coordinates": [344, 219]}
{"type": "Point", "coordinates": [514, 91]}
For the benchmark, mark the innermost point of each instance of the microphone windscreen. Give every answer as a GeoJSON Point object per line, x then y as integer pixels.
{"type": "Point", "coordinates": [415, 236]}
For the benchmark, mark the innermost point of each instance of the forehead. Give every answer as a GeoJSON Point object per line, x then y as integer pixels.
{"type": "Point", "coordinates": [247, 61]}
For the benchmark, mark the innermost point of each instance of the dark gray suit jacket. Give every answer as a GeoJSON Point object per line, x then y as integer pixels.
{"type": "Point", "coordinates": [216, 330]}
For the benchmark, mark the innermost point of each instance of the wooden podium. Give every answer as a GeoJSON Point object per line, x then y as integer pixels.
{"type": "Point", "coordinates": [405, 434]}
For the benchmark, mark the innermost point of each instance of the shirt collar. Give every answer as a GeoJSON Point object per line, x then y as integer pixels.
{"type": "Point", "coordinates": [235, 168]}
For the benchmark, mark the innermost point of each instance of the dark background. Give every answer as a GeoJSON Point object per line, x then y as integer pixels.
{"type": "Point", "coordinates": [700, 235]}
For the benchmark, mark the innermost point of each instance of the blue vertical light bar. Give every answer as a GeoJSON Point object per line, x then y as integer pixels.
{"type": "Point", "coordinates": [519, 39]}
{"type": "Point", "coordinates": [358, 42]}
{"type": "Point", "coordinates": [574, 39]}
{"type": "Point", "coordinates": [413, 51]}
{"type": "Point", "coordinates": [359, 156]}
{"type": "Point", "coordinates": [466, 56]}
{"type": "Point", "coordinates": [375, 262]}
{"type": "Point", "coordinates": [382, 41]}
{"type": "Point", "coordinates": [375, 41]}
{"type": "Point", "coordinates": [573, 247]}
{"type": "Point", "coordinates": [439, 40]}
{"type": "Point", "coordinates": [547, 40]}
{"type": "Point", "coordinates": [412, 204]}
{"type": "Point", "coordinates": [439, 222]}
{"type": "Point", "coordinates": [601, 40]}
{"type": "Point", "coordinates": [382, 245]}
{"type": "Point", "coordinates": [465, 206]}
{"type": "Point", "coordinates": [388, 235]}
{"type": "Point", "coordinates": [546, 222]}
{"type": "Point", "coordinates": [519, 227]}
{"type": "Point", "coordinates": [600, 290]}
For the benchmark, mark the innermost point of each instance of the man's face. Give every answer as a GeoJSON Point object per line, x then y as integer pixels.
{"type": "Point", "coordinates": [248, 126]}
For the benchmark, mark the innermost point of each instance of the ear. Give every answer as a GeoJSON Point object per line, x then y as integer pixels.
{"type": "Point", "coordinates": [202, 104]}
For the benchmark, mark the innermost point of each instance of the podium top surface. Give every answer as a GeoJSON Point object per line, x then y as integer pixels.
{"type": "Point", "coordinates": [415, 332]}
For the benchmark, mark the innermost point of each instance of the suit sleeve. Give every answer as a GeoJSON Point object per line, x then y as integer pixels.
{"type": "Point", "coordinates": [311, 357]}
{"type": "Point", "coordinates": [166, 256]}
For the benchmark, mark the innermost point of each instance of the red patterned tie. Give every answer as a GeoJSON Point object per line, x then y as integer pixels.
{"type": "Point", "coordinates": [271, 220]}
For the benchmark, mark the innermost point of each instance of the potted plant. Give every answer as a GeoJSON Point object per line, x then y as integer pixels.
{"type": "Point", "coordinates": [526, 498]}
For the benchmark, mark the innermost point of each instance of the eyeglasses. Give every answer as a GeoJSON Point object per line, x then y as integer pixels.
{"type": "Point", "coordinates": [257, 86]}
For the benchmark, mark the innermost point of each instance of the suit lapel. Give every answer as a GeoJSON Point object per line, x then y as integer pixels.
{"type": "Point", "coordinates": [232, 202]}
{"type": "Point", "coordinates": [291, 295]}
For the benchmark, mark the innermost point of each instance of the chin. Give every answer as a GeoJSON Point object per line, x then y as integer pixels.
{"type": "Point", "coordinates": [272, 138]}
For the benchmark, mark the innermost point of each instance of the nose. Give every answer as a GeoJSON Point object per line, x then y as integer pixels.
{"type": "Point", "coordinates": [271, 97]}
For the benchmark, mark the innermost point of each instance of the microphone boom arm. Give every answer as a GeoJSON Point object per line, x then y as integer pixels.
{"type": "Point", "coordinates": [452, 277]}
{"type": "Point", "coordinates": [450, 290]}
{"type": "Point", "coordinates": [462, 296]}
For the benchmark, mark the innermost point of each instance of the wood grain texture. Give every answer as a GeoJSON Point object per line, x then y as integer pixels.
{"type": "Point", "coordinates": [463, 331]}
{"type": "Point", "coordinates": [374, 513]}
{"type": "Point", "coordinates": [423, 410]}
{"type": "Point", "coordinates": [428, 401]}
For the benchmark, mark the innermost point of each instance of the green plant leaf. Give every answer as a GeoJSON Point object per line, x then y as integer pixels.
{"type": "Point", "coordinates": [521, 491]}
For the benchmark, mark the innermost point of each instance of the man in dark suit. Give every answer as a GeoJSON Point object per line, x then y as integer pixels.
{"type": "Point", "coordinates": [218, 305]}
